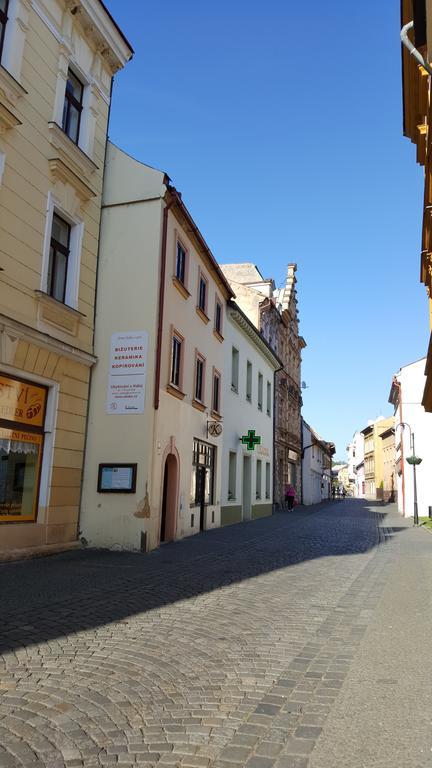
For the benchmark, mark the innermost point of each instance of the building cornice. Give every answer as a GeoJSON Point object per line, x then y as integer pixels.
{"type": "Point", "coordinates": [253, 334]}
{"type": "Point", "coordinates": [12, 328]}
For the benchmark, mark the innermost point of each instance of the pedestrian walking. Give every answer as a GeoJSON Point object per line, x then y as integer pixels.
{"type": "Point", "coordinates": [290, 495]}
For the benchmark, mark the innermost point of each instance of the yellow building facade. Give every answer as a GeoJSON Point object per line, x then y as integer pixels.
{"type": "Point", "coordinates": [374, 456]}
{"type": "Point", "coordinates": [416, 23]}
{"type": "Point", "coordinates": [57, 60]}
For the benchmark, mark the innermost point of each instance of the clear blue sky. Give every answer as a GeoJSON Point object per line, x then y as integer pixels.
{"type": "Point", "coordinates": [281, 124]}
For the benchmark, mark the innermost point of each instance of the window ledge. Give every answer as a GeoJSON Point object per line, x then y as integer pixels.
{"type": "Point", "coordinates": [55, 313]}
{"type": "Point", "coordinates": [62, 172]}
{"type": "Point", "coordinates": [218, 335]}
{"type": "Point", "coordinates": [180, 287]}
{"type": "Point", "coordinates": [216, 416]}
{"type": "Point", "coordinates": [10, 89]}
{"type": "Point", "coordinates": [7, 119]}
{"type": "Point", "coordinates": [199, 406]}
{"type": "Point", "coordinates": [175, 391]}
{"type": "Point", "coordinates": [77, 160]}
{"type": "Point", "coordinates": [202, 315]}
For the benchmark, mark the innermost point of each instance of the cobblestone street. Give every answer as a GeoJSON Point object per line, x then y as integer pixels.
{"type": "Point", "coordinates": [297, 640]}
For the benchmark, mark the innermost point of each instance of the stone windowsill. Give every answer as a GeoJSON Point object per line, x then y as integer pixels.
{"type": "Point", "coordinates": [175, 391]}
{"type": "Point", "coordinates": [216, 416]}
{"type": "Point", "coordinates": [180, 287]}
{"type": "Point", "coordinates": [199, 406]}
{"type": "Point", "coordinates": [62, 172]}
{"type": "Point", "coordinates": [218, 335]}
{"type": "Point", "coordinates": [202, 315]}
{"type": "Point", "coordinates": [7, 119]}
{"type": "Point", "coordinates": [58, 314]}
{"type": "Point", "coordinates": [10, 89]}
{"type": "Point", "coordinates": [74, 157]}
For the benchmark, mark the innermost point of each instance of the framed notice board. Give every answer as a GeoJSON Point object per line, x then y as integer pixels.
{"type": "Point", "coordinates": [117, 478]}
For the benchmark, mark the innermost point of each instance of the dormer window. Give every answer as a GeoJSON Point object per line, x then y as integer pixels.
{"type": "Point", "coordinates": [4, 5]}
{"type": "Point", "coordinates": [73, 105]}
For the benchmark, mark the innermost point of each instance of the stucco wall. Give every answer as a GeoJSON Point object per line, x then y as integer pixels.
{"type": "Point", "coordinates": [242, 415]}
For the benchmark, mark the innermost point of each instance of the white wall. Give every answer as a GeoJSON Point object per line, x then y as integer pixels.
{"type": "Point", "coordinates": [127, 294]}
{"type": "Point", "coordinates": [242, 415]}
{"type": "Point", "coordinates": [412, 381]}
{"type": "Point", "coordinates": [314, 488]}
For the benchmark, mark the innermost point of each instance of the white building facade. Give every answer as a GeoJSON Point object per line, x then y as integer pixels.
{"type": "Point", "coordinates": [406, 395]}
{"type": "Point", "coordinates": [316, 466]}
{"type": "Point", "coordinates": [356, 472]}
{"type": "Point", "coordinates": [247, 466]}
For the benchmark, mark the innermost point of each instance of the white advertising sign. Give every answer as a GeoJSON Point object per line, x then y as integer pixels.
{"type": "Point", "coordinates": [127, 373]}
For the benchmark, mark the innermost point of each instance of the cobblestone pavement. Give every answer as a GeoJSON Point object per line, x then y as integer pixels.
{"type": "Point", "coordinates": [246, 646]}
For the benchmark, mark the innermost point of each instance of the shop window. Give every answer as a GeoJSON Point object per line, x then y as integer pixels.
{"type": "Point", "coordinates": [258, 478]}
{"type": "Point", "coordinates": [267, 480]}
{"type": "Point", "coordinates": [203, 460]}
{"type": "Point", "coordinates": [232, 473]}
{"type": "Point", "coordinates": [22, 418]}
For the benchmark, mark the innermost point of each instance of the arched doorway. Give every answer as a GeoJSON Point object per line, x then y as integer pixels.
{"type": "Point", "coordinates": [169, 499]}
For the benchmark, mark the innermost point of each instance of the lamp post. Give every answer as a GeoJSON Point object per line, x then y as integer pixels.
{"type": "Point", "coordinates": [414, 461]}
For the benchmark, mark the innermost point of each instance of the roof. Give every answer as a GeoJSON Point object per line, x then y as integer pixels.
{"type": "Point", "coordinates": [122, 35]}
{"type": "Point", "coordinates": [175, 198]}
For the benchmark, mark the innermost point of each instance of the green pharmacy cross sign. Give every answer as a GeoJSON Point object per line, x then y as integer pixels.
{"type": "Point", "coordinates": [251, 440]}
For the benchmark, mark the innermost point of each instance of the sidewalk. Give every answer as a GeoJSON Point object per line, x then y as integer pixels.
{"type": "Point", "coordinates": [383, 715]}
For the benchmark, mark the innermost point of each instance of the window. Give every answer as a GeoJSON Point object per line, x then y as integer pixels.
{"type": "Point", "coordinates": [4, 4]}
{"type": "Point", "coordinates": [58, 258]}
{"type": "Point", "coordinates": [176, 359]}
{"type": "Point", "coordinates": [72, 107]}
{"type": "Point", "coordinates": [180, 267]}
{"type": "Point", "coordinates": [258, 478]}
{"type": "Point", "coordinates": [202, 479]}
{"type": "Point", "coordinates": [234, 369]}
{"type": "Point", "coordinates": [267, 480]}
{"type": "Point", "coordinates": [218, 317]}
{"type": "Point", "coordinates": [249, 381]}
{"type": "Point", "coordinates": [202, 294]}
{"type": "Point", "coordinates": [260, 391]}
{"type": "Point", "coordinates": [21, 445]}
{"type": "Point", "coordinates": [216, 392]}
{"type": "Point", "coordinates": [199, 378]}
{"type": "Point", "coordinates": [232, 473]}
{"type": "Point", "coordinates": [268, 399]}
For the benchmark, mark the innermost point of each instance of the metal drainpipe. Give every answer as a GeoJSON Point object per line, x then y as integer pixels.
{"type": "Point", "coordinates": [411, 47]}
{"type": "Point", "coordinates": [161, 304]}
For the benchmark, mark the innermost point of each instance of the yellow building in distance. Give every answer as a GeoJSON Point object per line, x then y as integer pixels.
{"type": "Point", "coordinates": [374, 456]}
{"type": "Point", "coordinates": [416, 34]}
{"type": "Point", "coordinates": [57, 60]}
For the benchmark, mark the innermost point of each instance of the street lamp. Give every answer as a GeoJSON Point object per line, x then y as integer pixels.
{"type": "Point", "coordinates": [414, 461]}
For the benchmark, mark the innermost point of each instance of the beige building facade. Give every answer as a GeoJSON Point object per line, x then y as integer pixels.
{"type": "Point", "coordinates": [57, 60]}
{"type": "Point", "coordinates": [161, 421]}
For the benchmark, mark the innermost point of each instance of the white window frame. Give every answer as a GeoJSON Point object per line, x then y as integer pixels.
{"type": "Point", "coordinates": [14, 41]}
{"type": "Point", "coordinates": [84, 136]}
{"type": "Point", "coordinates": [74, 261]}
